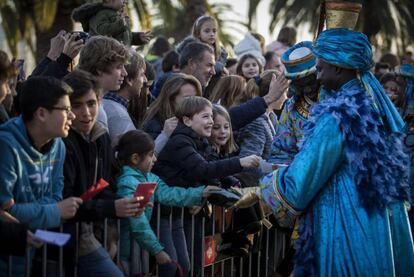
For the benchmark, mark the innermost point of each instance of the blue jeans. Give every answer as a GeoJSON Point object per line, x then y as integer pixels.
{"type": "Point", "coordinates": [173, 241]}
{"type": "Point", "coordinates": [97, 263]}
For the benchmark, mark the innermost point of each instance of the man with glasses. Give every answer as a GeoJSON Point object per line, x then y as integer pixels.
{"type": "Point", "coordinates": [32, 158]}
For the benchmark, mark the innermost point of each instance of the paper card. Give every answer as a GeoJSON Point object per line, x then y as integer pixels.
{"type": "Point", "coordinates": [54, 238]}
{"type": "Point", "coordinates": [94, 190]}
{"type": "Point", "coordinates": [146, 190]}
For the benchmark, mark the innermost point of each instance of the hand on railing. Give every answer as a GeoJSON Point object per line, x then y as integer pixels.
{"type": "Point", "coordinates": [163, 258]}
{"type": "Point", "coordinates": [207, 190]}
{"type": "Point", "coordinates": [128, 207]}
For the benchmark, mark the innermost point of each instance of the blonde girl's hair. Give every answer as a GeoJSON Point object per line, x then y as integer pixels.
{"type": "Point", "coordinates": [258, 86]}
{"type": "Point", "coordinates": [196, 32]}
{"type": "Point", "coordinates": [227, 90]}
{"type": "Point", "coordinates": [231, 145]}
{"type": "Point", "coordinates": [163, 106]}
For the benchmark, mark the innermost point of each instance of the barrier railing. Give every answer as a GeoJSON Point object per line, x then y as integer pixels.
{"type": "Point", "coordinates": [270, 244]}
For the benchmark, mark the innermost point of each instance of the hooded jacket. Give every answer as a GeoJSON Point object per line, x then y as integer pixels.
{"type": "Point", "coordinates": [184, 160]}
{"type": "Point", "coordinates": [96, 19]}
{"type": "Point", "coordinates": [33, 180]}
{"type": "Point", "coordinates": [139, 228]}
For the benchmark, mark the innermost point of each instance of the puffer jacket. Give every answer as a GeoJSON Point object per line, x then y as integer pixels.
{"type": "Point", "coordinates": [139, 228]}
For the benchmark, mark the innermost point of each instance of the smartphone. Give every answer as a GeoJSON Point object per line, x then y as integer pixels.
{"type": "Point", "coordinates": [84, 36]}
{"type": "Point", "coordinates": [21, 75]}
{"type": "Point", "coordinates": [145, 190]}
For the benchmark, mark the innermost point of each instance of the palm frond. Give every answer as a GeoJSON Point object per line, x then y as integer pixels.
{"type": "Point", "coordinates": [143, 14]}
{"type": "Point", "coordinates": [251, 12]}
{"type": "Point", "coordinates": [10, 27]}
{"type": "Point", "coordinates": [44, 12]}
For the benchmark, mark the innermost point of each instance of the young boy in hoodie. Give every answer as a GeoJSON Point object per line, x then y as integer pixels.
{"type": "Point", "coordinates": [32, 158]}
{"type": "Point", "coordinates": [108, 18]}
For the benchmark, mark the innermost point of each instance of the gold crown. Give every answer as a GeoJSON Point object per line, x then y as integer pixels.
{"type": "Point", "coordinates": [342, 14]}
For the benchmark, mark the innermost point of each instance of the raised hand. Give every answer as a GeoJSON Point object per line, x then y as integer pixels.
{"type": "Point", "coordinates": [170, 125]}
{"type": "Point", "coordinates": [277, 88]}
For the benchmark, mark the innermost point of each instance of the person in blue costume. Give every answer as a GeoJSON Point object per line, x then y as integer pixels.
{"type": "Point", "coordinates": [349, 181]}
{"type": "Point", "coordinates": [406, 78]}
{"type": "Point", "coordinates": [300, 64]}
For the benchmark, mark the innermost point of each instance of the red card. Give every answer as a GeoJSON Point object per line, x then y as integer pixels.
{"type": "Point", "coordinates": [94, 190]}
{"type": "Point", "coordinates": [209, 250]}
{"type": "Point", "coordinates": [146, 190]}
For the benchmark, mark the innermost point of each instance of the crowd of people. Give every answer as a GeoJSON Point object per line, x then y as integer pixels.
{"type": "Point", "coordinates": [310, 132]}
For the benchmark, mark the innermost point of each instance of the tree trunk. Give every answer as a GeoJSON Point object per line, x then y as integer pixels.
{"type": "Point", "coordinates": [371, 19]}
{"type": "Point", "coordinates": [193, 10]}
{"type": "Point", "coordinates": [63, 21]}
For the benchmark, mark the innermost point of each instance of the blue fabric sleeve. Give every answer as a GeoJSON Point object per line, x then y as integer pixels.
{"type": "Point", "coordinates": [8, 174]}
{"type": "Point", "coordinates": [313, 166]}
{"type": "Point", "coordinates": [36, 215]}
{"type": "Point", "coordinates": [178, 196]}
{"type": "Point", "coordinates": [140, 226]}
{"type": "Point", "coordinates": [42, 213]}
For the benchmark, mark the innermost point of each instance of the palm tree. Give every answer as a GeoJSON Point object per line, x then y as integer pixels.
{"type": "Point", "coordinates": [391, 20]}
{"type": "Point", "coordinates": [40, 19]}
{"type": "Point", "coordinates": [177, 18]}
{"type": "Point", "coordinates": [36, 22]}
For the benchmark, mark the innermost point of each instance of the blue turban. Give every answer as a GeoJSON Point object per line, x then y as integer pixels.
{"type": "Point", "coordinates": [407, 70]}
{"type": "Point", "coordinates": [349, 49]}
{"type": "Point", "coordinates": [299, 68]}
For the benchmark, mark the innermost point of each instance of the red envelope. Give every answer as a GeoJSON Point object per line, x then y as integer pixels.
{"type": "Point", "coordinates": [146, 190]}
{"type": "Point", "coordinates": [94, 190]}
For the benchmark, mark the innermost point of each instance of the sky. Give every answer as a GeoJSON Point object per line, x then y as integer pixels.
{"type": "Point", "coordinates": [262, 20]}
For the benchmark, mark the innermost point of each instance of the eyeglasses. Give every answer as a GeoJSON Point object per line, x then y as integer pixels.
{"type": "Point", "coordinates": [67, 109]}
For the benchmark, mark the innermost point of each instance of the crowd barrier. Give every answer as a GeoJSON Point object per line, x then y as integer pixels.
{"type": "Point", "coordinates": [269, 249]}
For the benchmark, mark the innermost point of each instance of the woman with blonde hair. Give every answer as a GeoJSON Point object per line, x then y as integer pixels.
{"type": "Point", "coordinates": [227, 90]}
{"type": "Point", "coordinates": [160, 121]}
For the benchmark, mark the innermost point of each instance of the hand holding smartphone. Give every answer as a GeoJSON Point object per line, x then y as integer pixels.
{"type": "Point", "coordinates": [145, 190]}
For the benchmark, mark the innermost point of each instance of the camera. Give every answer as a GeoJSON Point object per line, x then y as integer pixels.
{"type": "Point", "coordinates": [84, 36]}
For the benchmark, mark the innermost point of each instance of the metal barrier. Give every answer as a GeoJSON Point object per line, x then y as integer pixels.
{"type": "Point", "coordinates": [261, 263]}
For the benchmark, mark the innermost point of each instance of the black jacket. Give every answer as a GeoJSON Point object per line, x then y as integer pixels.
{"type": "Point", "coordinates": [245, 113]}
{"type": "Point", "coordinates": [184, 160]}
{"type": "Point", "coordinates": [225, 182]}
{"type": "Point", "coordinates": [83, 160]}
{"type": "Point", "coordinates": [13, 237]}
{"type": "Point", "coordinates": [57, 69]}
{"type": "Point", "coordinates": [153, 127]}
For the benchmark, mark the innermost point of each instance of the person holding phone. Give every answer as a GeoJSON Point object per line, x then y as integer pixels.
{"type": "Point", "coordinates": [135, 156]}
